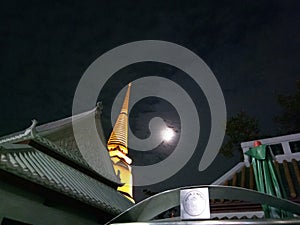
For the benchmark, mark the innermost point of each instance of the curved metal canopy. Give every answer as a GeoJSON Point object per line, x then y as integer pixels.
{"type": "Point", "coordinates": [149, 208]}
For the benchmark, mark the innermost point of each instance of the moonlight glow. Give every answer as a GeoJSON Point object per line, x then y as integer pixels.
{"type": "Point", "coordinates": [167, 134]}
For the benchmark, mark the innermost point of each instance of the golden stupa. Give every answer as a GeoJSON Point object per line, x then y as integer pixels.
{"type": "Point", "coordinates": [118, 149]}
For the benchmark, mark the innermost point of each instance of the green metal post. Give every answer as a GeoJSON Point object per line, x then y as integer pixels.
{"type": "Point", "coordinates": [266, 179]}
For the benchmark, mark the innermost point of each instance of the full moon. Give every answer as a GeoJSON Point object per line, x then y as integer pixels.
{"type": "Point", "coordinates": [167, 134]}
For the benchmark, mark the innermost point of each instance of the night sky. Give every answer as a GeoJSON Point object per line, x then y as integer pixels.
{"type": "Point", "coordinates": [252, 47]}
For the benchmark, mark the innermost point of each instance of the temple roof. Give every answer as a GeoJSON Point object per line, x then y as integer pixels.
{"type": "Point", "coordinates": [58, 136]}
{"type": "Point", "coordinates": [27, 162]}
{"type": "Point", "coordinates": [48, 155]}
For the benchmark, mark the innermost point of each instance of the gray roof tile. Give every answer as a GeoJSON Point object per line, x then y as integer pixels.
{"type": "Point", "coordinates": [40, 168]}
{"type": "Point", "coordinates": [58, 137]}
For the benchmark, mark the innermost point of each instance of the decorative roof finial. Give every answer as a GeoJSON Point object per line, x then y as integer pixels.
{"type": "Point", "coordinates": [32, 129]}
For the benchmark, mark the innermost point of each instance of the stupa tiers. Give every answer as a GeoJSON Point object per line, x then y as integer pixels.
{"type": "Point", "coordinates": [45, 179]}
{"type": "Point", "coordinates": [118, 149]}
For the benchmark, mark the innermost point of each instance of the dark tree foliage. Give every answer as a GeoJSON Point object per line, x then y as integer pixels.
{"type": "Point", "coordinates": [240, 127]}
{"type": "Point", "coordinates": [289, 119]}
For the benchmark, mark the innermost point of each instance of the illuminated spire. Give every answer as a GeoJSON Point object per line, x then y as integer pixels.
{"type": "Point", "coordinates": [119, 135]}
{"type": "Point", "coordinates": [117, 147]}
